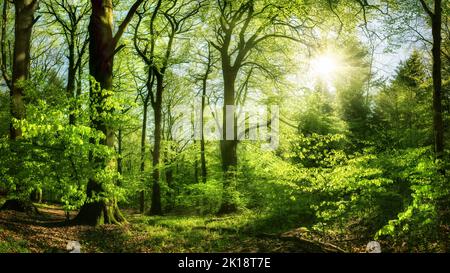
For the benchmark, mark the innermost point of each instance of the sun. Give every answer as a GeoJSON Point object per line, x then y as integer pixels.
{"type": "Point", "coordinates": [325, 66]}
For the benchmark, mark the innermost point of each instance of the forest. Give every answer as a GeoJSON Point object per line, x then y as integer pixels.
{"type": "Point", "coordinates": [238, 126]}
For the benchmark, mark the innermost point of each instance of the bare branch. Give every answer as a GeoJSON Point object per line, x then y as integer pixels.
{"type": "Point", "coordinates": [427, 8]}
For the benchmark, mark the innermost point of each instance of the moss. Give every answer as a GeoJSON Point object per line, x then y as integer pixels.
{"type": "Point", "coordinates": [99, 213]}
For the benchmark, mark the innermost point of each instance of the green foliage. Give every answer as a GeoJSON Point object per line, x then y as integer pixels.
{"type": "Point", "coordinates": [402, 116]}
{"type": "Point", "coordinates": [4, 114]}
{"type": "Point", "coordinates": [355, 156]}
{"type": "Point", "coordinates": [318, 115]}
{"type": "Point", "coordinates": [319, 150]}
{"type": "Point", "coordinates": [418, 224]}
{"type": "Point", "coordinates": [54, 155]}
{"type": "Point", "coordinates": [355, 190]}
{"type": "Point", "coordinates": [13, 246]}
{"type": "Point", "coordinates": [206, 198]}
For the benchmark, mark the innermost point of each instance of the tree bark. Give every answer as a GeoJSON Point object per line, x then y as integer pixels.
{"type": "Point", "coordinates": [437, 80]}
{"type": "Point", "coordinates": [169, 180]}
{"type": "Point", "coordinates": [156, 208]}
{"type": "Point", "coordinates": [228, 146]}
{"type": "Point", "coordinates": [101, 56]}
{"type": "Point", "coordinates": [70, 88]}
{"type": "Point", "coordinates": [120, 151]}
{"type": "Point", "coordinates": [4, 65]}
{"type": "Point", "coordinates": [24, 21]}
{"type": "Point", "coordinates": [202, 133]}
{"type": "Point", "coordinates": [143, 139]}
{"type": "Point", "coordinates": [195, 165]}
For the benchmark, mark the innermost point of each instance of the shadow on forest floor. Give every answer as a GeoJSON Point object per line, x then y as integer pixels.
{"type": "Point", "coordinates": [49, 233]}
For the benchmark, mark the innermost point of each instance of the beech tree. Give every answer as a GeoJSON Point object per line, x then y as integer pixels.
{"type": "Point", "coordinates": [208, 66]}
{"type": "Point", "coordinates": [358, 97]}
{"type": "Point", "coordinates": [176, 16]}
{"type": "Point", "coordinates": [241, 28]}
{"type": "Point", "coordinates": [103, 45]}
{"type": "Point", "coordinates": [17, 80]}
{"type": "Point", "coordinates": [435, 16]}
{"type": "Point", "coordinates": [24, 21]}
{"type": "Point", "coordinates": [70, 19]}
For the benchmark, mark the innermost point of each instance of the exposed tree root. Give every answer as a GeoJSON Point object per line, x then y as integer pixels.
{"type": "Point", "coordinates": [98, 213]}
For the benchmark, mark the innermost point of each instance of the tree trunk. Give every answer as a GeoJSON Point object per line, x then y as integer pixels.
{"type": "Point", "coordinates": [36, 195]}
{"type": "Point", "coordinates": [39, 196]}
{"type": "Point", "coordinates": [143, 138]}
{"type": "Point", "coordinates": [437, 81]}
{"type": "Point", "coordinates": [101, 56]}
{"type": "Point", "coordinates": [195, 164]}
{"type": "Point", "coordinates": [438, 123]}
{"type": "Point", "coordinates": [202, 133]}
{"type": "Point", "coordinates": [4, 65]}
{"type": "Point", "coordinates": [24, 22]}
{"type": "Point", "coordinates": [72, 70]}
{"type": "Point", "coordinates": [156, 208]}
{"type": "Point", "coordinates": [120, 154]}
{"type": "Point", "coordinates": [228, 145]}
{"type": "Point", "coordinates": [79, 87]}
{"type": "Point", "coordinates": [169, 181]}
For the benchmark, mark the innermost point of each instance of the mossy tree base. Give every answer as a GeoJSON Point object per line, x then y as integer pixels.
{"type": "Point", "coordinates": [99, 213]}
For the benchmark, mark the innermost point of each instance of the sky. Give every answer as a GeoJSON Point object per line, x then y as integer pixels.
{"type": "Point", "coordinates": [386, 59]}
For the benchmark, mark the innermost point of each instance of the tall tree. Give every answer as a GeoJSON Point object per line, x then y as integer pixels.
{"type": "Point", "coordinates": [403, 110]}
{"type": "Point", "coordinates": [17, 82]}
{"type": "Point", "coordinates": [209, 62]}
{"type": "Point", "coordinates": [103, 45]}
{"type": "Point", "coordinates": [24, 21]}
{"type": "Point", "coordinates": [436, 29]}
{"type": "Point", "coordinates": [243, 26]}
{"type": "Point", "coordinates": [5, 57]}
{"type": "Point", "coordinates": [176, 14]}
{"type": "Point", "coordinates": [70, 18]}
{"type": "Point", "coordinates": [145, 98]}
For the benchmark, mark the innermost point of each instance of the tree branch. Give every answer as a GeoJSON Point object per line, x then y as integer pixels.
{"type": "Point", "coordinates": [427, 9]}
{"type": "Point", "coordinates": [126, 21]}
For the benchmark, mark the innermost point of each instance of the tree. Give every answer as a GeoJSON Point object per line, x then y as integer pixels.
{"type": "Point", "coordinates": [177, 15]}
{"type": "Point", "coordinates": [436, 28]}
{"type": "Point", "coordinates": [353, 100]}
{"type": "Point", "coordinates": [23, 25]}
{"type": "Point", "coordinates": [403, 109]}
{"type": "Point", "coordinates": [410, 12]}
{"type": "Point", "coordinates": [102, 48]}
{"type": "Point", "coordinates": [6, 69]}
{"type": "Point", "coordinates": [5, 57]}
{"type": "Point", "coordinates": [145, 104]}
{"type": "Point", "coordinates": [70, 19]}
{"type": "Point", "coordinates": [318, 115]}
{"type": "Point", "coordinates": [209, 63]}
{"type": "Point", "coordinates": [24, 21]}
{"type": "Point", "coordinates": [242, 28]}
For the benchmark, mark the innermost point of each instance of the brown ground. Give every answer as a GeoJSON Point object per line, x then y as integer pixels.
{"type": "Point", "coordinates": [48, 232]}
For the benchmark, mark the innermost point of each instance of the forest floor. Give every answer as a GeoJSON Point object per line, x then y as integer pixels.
{"type": "Point", "coordinates": [47, 232]}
